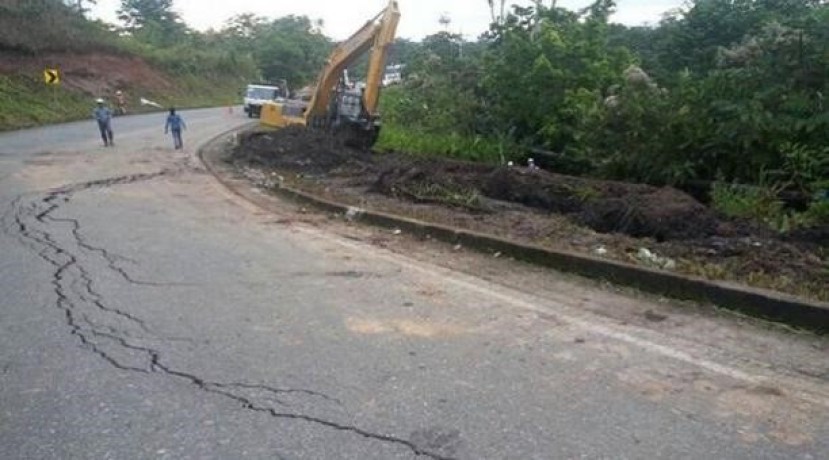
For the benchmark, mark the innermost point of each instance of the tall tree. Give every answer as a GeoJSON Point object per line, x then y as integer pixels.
{"type": "Point", "coordinates": [138, 13]}
{"type": "Point", "coordinates": [152, 21]}
{"type": "Point", "coordinates": [291, 48]}
{"type": "Point", "coordinates": [80, 5]}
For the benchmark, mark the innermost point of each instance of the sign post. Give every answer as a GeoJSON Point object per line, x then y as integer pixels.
{"type": "Point", "coordinates": [52, 78]}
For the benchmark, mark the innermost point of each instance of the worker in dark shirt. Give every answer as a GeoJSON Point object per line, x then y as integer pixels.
{"type": "Point", "coordinates": [175, 124]}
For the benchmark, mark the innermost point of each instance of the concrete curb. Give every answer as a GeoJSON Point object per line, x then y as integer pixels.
{"type": "Point", "coordinates": [769, 305]}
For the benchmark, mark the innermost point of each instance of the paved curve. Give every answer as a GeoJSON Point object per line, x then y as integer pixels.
{"type": "Point", "coordinates": [148, 313]}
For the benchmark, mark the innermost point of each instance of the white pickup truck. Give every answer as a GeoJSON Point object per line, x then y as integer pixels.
{"type": "Point", "coordinates": [256, 95]}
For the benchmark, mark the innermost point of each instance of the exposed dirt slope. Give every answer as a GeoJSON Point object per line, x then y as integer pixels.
{"type": "Point", "coordinates": [92, 74]}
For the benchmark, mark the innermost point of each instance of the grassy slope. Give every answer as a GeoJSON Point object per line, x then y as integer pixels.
{"type": "Point", "coordinates": [25, 103]}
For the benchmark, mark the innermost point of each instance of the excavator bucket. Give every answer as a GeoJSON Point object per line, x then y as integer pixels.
{"type": "Point", "coordinates": [355, 135]}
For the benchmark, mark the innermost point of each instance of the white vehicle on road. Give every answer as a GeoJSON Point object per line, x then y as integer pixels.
{"type": "Point", "coordinates": [256, 95]}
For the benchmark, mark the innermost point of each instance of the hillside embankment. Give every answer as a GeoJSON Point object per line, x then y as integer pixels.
{"type": "Point", "coordinates": [26, 100]}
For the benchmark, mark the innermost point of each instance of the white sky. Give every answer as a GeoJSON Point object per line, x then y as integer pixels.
{"type": "Point", "coordinates": [419, 17]}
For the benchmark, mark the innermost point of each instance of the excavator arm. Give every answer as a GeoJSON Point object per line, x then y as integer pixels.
{"type": "Point", "coordinates": [377, 61]}
{"type": "Point", "coordinates": [377, 34]}
{"type": "Point", "coordinates": [322, 111]}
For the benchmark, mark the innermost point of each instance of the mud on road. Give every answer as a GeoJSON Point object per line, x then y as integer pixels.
{"type": "Point", "coordinates": [662, 228]}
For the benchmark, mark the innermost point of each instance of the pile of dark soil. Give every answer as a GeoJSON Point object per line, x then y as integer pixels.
{"type": "Point", "coordinates": [541, 207]}
{"type": "Point", "coordinates": [297, 149]}
{"type": "Point", "coordinates": [604, 206]}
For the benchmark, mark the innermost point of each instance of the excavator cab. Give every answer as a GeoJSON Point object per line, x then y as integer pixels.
{"type": "Point", "coordinates": [352, 123]}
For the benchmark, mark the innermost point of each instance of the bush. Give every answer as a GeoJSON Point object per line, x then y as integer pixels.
{"type": "Point", "coordinates": [759, 203]}
{"type": "Point", "coordinates": [817, 213]}
{"type": "Point", "coordinates": [35, 26]}
{"type": "Point", "coordinates": [763, 204]}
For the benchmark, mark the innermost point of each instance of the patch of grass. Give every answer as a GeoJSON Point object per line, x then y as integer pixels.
{"type": "Point", "coordinates": [763, 205]}
{"type": "Point", "coordinates": [479, 149]}
{"type": "Point", "coordinates": [464, 197]}
{"type": "Point", "coordinates": [781, 283]}
{"type": "Point", "coordinates": [707, 270]}
{"type": "Point", "coordinates": [197, 91]}
{"type": "Point", "coordinates": [817, 213]}
{"type": "Point", "coordinates": [584, 193]}
{"type": "Point", "coordinates": [734, 200]}
{"type": "Point", "coordinates": [25, 103]}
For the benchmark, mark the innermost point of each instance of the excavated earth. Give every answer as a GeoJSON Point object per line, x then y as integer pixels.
{"type": "Point", "coordinates": [608, 219]}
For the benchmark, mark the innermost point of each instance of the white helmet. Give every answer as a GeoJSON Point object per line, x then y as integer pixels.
{"type": "Point", "coordinates": [99, 100]}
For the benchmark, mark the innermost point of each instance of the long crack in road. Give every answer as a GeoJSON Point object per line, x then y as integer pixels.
{"type": "Point", "coordinates": [100, 327]}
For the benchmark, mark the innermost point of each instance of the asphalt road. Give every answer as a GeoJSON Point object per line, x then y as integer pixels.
{"type": "Point", "coordinates": [147, 312]}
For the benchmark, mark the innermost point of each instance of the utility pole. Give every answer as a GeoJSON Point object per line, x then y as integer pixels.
{"type": "Point", "coordinates": [444, 21]}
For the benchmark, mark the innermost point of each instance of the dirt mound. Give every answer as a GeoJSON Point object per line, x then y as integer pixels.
{"type": "Point", "coordinates": [606, 207]}
{"type": "Point", "coordinates": [433, 181]}
{"type": "Point", "coordinates": [663, 213]}
{"type": "Point", "coordinates": [296, 148]}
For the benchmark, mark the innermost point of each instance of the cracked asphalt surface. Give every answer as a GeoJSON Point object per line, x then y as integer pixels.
{"type": "Point", "coordinates": [147, 312]}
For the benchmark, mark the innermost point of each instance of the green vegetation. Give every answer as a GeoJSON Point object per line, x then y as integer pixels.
{"type": "Point", "coordinates": [723, 90]}
{"type": "Point", "coordinates": [36, 26]}
{"type": "Point", "coordinates": [763, 204]}
{"type": "Point", "coordinates": [463, 197]}
{"type": "Point", "coordinates": [24, 102]}
{"type": "Point", "coordinates": [395, 138]}
{"type": "Point", "coordinates": [204, 68]}
{"type": "Point", "coordinates": [429, 138]}
{"type": "Point", "coordinates": [758, 203]}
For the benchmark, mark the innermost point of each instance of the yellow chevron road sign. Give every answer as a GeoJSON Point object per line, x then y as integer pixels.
{"type": "Point", "coordinates": [51, 76]}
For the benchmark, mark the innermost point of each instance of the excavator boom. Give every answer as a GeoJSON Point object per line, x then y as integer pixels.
{"type": "Point", "coordinates": [331, 105]}
{"type": "Point", "coordinates": [377, 61]}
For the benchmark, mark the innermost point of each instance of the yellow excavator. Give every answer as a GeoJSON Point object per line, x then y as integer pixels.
{"type": "Point", "coordinates": [348, 112]}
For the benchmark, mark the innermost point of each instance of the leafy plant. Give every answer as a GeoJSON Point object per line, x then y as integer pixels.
{"type": "Point", "coordinates": [760, 203]}
{"type": "Point", "coordinates": [464, 197]}
{"type": "Point", "coordinates": [804, 168]}
{"type": "Point", "coordinates": [816, 214]}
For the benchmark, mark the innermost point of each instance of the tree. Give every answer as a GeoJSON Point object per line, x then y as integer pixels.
{"type": "Point", "coordinates": [497, 10]}
{"type": "Point", "coordinates": [138, 13]}
{"type": "Point", "coordinates": [80, 5]}
{"type": "Point", "coordinates": [245, 26]}
{"type": "Point", "coordinates": [291, 48]}
{"type": "Point", "coordinates": [544, 66]}
{"type": "Point", "coordinates": [440, 87]}
{"type": "Point", "coordinates": [402, 51]}
{"type": "Point", "coordinates": [743, 98]}
{"type": "Point", "coordinates": [152, 21]}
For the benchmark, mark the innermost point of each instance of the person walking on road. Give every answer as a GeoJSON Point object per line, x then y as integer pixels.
{"type": "Point", "coordinates": [176, 124]}
{"type": "Point", "coordinates": [103, 115]}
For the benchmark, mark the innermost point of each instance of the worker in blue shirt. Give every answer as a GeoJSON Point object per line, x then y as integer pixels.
{"type": "Point", "coordinates": [103, 115]}
{"type": "Point", "coordinates": [175, 124]}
